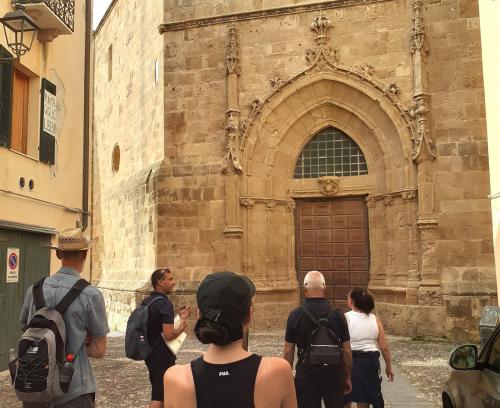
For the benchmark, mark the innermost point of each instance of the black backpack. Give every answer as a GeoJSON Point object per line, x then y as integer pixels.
{"type": "Point", "coordinates": [324, 348]}
{"type": "Point", "coordinates": [137, 344]}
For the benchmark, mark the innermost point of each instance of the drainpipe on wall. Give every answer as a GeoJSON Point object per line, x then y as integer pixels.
{"type": "Point", "coordinates": [86, 120]}
{"type": "Point", "coordinates": [86, 116]}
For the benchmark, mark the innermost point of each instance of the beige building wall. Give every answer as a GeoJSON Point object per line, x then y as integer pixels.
{"type": "Point", "coordinates": [128, 113]}
{"type": "Point", "coordinates": [490, 32]}
{"type": "Point", "coordinates": [246, 86]}
{"type": "Point", "coordinates": [59, 186]}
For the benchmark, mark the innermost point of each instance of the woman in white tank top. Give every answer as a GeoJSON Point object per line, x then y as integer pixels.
{"type": "Point", "coordinates": [367, 341]}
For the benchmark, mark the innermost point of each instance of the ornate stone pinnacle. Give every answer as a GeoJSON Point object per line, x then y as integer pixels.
{"type": "Point", "coordinates": [232, 53]}
{"type": "Point", "coordinates": [320, 26]}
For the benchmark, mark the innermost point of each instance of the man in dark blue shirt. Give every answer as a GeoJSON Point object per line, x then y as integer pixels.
{"type": "Point", "coordinates": [327, 384]}
{"type": "Point", "coordinates": [161, 322]}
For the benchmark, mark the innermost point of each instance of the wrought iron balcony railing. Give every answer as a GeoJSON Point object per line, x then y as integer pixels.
{"type": "Point", "coordinates": [63, 9]}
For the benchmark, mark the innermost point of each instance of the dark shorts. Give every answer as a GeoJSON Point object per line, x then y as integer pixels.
{"type": "Point", "coordinates": [83, 401]}
{"type": "Point", "coordinates": [311, 391]}
{"type": "Point", "coordinates": [156, 379]}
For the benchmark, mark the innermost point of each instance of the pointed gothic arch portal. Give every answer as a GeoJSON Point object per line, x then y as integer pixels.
{"type": "Point", "coordinates": [288, 211]}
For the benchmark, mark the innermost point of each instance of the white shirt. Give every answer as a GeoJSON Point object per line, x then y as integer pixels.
{"type": "Point", "coordinates": [363, 330]}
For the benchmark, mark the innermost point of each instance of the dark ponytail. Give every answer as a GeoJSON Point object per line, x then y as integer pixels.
{"type": "Point", "coordinates": [362, 300]}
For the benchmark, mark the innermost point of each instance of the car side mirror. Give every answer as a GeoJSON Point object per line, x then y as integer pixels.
{"type": "Point", "coordinates": [464, 357]}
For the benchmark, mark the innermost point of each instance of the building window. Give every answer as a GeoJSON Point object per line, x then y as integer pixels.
{"type": "Point", "coordinates": [110, 62]}
{"type": "Point", "coordinates": [115, 158]}
{"type": "Point", "coordinates": [19, 121]}
{"type": "Point", "coordinates": [14, 95]}
{"type": "Point", "coordinates": [330, 153]}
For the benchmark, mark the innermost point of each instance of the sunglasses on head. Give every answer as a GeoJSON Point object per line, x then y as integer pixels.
{"type": "Point", "coordinates": [162, 272]}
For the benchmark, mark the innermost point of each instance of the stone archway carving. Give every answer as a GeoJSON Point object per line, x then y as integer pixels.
{"type": "Point", "coordinates": [324, 60]}
{"type": "Point", "coordinates": [325, 94]}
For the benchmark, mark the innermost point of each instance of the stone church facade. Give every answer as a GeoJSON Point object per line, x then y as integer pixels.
{"type": "Point", "coordinates": [273, 138]}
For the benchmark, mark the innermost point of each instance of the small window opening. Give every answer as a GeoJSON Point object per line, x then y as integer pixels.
{"type": "Point", "coordinates": [330, 153]}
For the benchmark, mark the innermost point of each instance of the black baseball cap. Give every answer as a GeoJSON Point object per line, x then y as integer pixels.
{"type": "Point", "coordinates": [225, 297]}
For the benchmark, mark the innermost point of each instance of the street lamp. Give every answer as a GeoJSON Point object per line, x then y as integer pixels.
{"type": "Point", "coordinates": [19, 31]}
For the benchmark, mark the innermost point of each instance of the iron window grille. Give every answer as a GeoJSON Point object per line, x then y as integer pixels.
{"type": "Point", "coordinates": [330, 153]}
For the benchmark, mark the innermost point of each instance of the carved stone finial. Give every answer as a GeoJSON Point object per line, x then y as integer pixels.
{"type": "Point", "coordinates": [329, 185]}
{"type": "Point", "coordinates": [320, 27]}
{"type": "Point", "coordinates": [232, 52]}
{"type": "Point", "coordinates": [322, 56]}
{"type": "Point", "coordinates": [417, 43]}
{"type": "Point", "coordinates": [423, 144]}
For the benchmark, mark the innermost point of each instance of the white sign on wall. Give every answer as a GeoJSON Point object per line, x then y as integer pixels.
{"type": "Point", "coordinates": [49, 113]}
{"type": "Point", "coordinates": [12, 265]}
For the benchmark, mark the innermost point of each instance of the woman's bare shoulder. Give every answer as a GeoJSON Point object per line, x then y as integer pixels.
{"type": "Point", "coordinates": [274, 386]}
{"type": "Point", "coordinates": [275, 365]}
{"type": "Point", "coordinates": [179, 387]}
{"type": "Point", "coordinates": [178, 375]}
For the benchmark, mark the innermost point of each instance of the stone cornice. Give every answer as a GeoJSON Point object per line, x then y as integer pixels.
{"type": "Point", "coordinates": [407, 194]}
{"type": "Point", "coordinates": [259, 14]}
{"type": "Point", "coordinates": [270, 203]}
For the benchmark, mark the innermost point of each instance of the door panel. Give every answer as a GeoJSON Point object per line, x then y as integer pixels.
{"type": "Point", "coordinates": [332, 238]}
{"type": "Point", "coordinates": [34, 263]}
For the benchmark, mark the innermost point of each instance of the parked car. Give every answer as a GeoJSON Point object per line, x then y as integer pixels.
{"type": "Point", "coordinates": [475, 380]}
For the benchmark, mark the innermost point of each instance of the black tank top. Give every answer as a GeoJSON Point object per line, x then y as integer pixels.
{"type": "Point", "coordinates": [225, 385]}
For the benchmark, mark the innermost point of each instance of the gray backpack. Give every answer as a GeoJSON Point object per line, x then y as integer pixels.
{"type": "Point", "coordinates": [137, 345]}
{"type": "Point", "coordinates": [42, 349]}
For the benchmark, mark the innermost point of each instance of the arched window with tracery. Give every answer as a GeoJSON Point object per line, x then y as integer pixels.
{"type": "Point", "coordinates": [330, 153]}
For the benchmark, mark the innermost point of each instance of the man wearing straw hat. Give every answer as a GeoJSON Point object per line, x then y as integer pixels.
{"type": "Point", "coordinates": [85, 318]}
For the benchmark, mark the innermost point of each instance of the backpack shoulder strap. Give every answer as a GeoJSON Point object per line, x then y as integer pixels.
{"type": "Point", "coordinates": [72, 294]}
{"type": "Point", "coordinates": [332, 312]}
{"type": "Point", "coordinates": [38, 298]}
{"type": "Point", "coordinates": [309, 314]}
{"type": "Point", "coordinates": [153, 300]}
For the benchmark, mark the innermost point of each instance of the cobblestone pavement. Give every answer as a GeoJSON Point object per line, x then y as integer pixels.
{"type": "Point", "coordinates": [124, 383]}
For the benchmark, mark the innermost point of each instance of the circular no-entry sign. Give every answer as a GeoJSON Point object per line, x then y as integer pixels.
{"type": "Point", "coordinates": [13, 260]}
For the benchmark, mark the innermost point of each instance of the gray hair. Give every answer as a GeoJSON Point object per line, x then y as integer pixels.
{"type": "Point", "coordinates": [314, 280]}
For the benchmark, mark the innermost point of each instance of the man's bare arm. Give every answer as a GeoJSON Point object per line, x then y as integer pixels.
{"type": "Point", "coordinates": [170, 333]}
{"type": "Point", "coordinates": [347, 356]}
{"type": "Point", "coordinates": [97, 346]}
{"type": "Point", "coordinates": [289, 353]}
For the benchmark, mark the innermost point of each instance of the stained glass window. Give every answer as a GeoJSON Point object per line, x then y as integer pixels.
{"type": "Point", "coordinates": [330, 153]}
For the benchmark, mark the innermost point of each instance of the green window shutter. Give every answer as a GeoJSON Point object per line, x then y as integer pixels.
{"type": "Point", "coordinates": [5, 98]}
{"type": "Point", "coordinates": [47, 141]}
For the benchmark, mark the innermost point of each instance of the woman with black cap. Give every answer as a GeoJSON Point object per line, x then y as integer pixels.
{"type": "Point", "coordinates": [228, 376]}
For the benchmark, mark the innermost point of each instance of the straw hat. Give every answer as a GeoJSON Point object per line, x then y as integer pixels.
{"type": "Point", "coordinates": [71, 239]}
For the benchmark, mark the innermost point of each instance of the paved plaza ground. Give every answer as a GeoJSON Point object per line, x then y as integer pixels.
{"type": "Point", "coordinates": [421, 368]}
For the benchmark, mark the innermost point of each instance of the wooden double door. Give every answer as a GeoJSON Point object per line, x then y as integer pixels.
{"type": "Point", "coordinates": [332, 237]}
